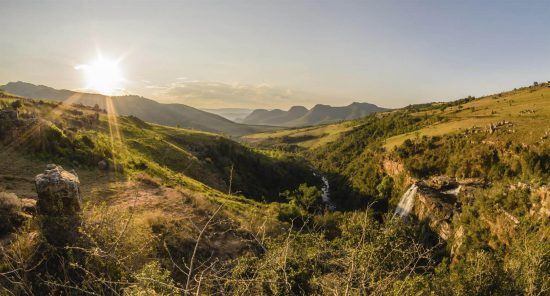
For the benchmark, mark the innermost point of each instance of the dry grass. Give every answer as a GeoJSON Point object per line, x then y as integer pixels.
{"type": "Point", "coordinates": [513, 106]}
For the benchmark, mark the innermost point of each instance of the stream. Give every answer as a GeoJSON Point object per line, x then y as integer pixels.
{"type": "Point", "coordinates": [325, 192]}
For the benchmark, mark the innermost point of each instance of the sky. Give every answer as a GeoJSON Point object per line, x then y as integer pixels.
{"type": "Point", "coordinates": [276, 54]}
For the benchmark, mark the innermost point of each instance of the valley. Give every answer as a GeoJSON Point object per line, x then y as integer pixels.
{"type": "Point", "coordinates": [274, 148]}
{"type": "Point", "coordinates": [422, 198]}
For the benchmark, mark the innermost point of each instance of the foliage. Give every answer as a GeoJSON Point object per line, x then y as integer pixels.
{"type": "Point", "coordinates": [464, 157]}
{"type": "Point", "coordinates": [152, 279]}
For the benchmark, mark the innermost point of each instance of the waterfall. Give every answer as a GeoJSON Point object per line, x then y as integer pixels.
{"type": "Point", "coordinates": [325, 190]}
{"type": "Point", "coordinates": [406, 203]}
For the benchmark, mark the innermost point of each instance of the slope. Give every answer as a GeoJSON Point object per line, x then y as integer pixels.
{"type": "Point", "coordinates": [146, 109]}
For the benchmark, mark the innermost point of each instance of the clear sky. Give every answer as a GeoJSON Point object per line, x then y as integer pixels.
{"type": "Point", "coordinates": [282, 53]}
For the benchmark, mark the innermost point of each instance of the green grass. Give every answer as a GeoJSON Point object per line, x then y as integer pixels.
{"type": "Point", "coordinates": [309, 137]}
{"type": "Point", "coordinates": [510, 106]}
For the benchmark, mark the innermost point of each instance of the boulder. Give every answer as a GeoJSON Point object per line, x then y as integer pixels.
{"type": "Point", "coordinates": [59, 204]}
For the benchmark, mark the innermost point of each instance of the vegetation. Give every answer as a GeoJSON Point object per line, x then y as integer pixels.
{"type": "Point", "coordinates": [171, 211]}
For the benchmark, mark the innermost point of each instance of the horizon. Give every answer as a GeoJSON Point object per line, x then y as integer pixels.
{"type": "Point", "coordinates": [309, 107]}
{"type": "Point", "coordinates": [274, 55]}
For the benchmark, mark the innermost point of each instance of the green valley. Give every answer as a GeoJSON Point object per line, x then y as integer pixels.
{"type": "Point", "coordinates": [434, 199]}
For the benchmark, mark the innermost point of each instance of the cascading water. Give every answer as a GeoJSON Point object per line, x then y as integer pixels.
{"type": "Point", "coordinates": [325, 192]}
{"type": "Point", "coordinates": [406, 203]}
{"type": "Point", "coordinates": [325, 196]}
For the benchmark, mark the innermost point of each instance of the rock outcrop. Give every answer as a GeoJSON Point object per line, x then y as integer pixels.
{"type": "Point", "coordinates": [436, 204]}
{"type": "Point", "coordinates": [59, 204]}
{"type": "Point", "coordinates": [434, 201]}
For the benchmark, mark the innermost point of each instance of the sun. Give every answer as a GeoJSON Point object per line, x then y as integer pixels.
{"type": "Point", "coordinates": [103, 76]}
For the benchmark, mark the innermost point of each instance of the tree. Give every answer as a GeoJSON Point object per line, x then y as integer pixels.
{"type": "Point", "coordinates": [304, 197]}
{"type": "Point", "coordinates": [385, 188]}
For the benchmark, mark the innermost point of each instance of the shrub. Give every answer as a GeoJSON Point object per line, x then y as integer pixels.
{"type": "Point", "coordinates": [10, 207]}
{"type": "Point", "coordinates": [152, 279]}
{"type": "Point", "coordinates": [528, 261]}
{"type": "Point", "coordinates": [16, 104]}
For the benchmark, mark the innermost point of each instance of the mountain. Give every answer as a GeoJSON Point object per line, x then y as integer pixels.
{"type": "Point", "coordinates": [300, 116]}
{"type": "Point", "coordinates": [233, 114]}
{"type": "Point", "coordinates": [146, 109]}
{"type": "Point", "coordinates": [277, 116]}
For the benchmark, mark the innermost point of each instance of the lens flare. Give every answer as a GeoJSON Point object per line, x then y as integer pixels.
{"type": "Point", "coordinates": [103, 76]}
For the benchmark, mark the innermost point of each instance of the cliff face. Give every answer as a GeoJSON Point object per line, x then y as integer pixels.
{"type": "Point", "coordinates": [436, 203]}
{"type": "Point", "coordinates": [437, 210]}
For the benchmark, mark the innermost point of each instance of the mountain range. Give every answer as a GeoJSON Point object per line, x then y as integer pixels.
{"type": "Point", "coordinates": [146, 109]}
{"type": "Point", "coordinates": [298, 116]}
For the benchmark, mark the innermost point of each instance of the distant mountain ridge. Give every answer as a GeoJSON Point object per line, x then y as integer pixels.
{"type": "Point", "coordinates": [146, 109]}
{"type": "Point", "coordinates": [300, 116]}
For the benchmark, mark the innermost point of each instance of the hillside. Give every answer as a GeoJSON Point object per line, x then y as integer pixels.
{"type": "Point", "coordinates": [146, 109]}
{"type": "Point", "coordinates": [473, 174]}
{"type": "Point", "coordinates": [83, 137]}
{"type": "Point", "coordinates": [298, 116]}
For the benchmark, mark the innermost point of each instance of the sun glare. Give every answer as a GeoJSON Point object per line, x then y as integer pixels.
{"type": "Point", "coordinates": [103, 76]}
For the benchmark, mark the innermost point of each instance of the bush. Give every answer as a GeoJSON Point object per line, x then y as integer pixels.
{"type": "Point", "coordinates": [152, 279]}
{"type": "Point", "coordinates": [10, 207]}
{"type": "Point", "coordinates": [528, 261]}
{"type": "Point", "coordinates": [16, 104]}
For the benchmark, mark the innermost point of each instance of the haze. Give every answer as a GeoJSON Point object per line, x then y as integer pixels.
{"type": "Point", "coordinates": [256, 54]}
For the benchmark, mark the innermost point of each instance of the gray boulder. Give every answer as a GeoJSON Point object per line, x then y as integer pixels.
{"type": "Point", "coordinates": [59, 204]}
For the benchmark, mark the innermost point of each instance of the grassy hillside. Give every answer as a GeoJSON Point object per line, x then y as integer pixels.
{"type": "Point", "coordinates": [145, 109]}
{"type": "Point", "coordinates": [300, 138]}
{"type": "Point", "coordinates": [82, 137]}
{"type": "Point", "coordinates": [527, 107]}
